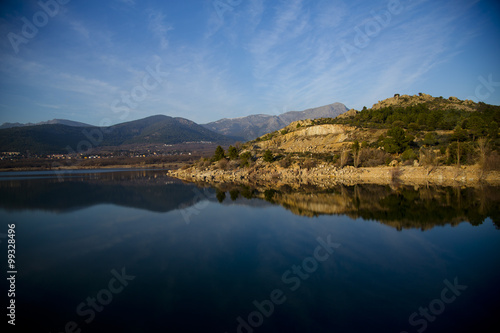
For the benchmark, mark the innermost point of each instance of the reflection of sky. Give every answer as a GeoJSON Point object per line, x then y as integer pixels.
{"type": "Point", "coordinates": [64, 174]}
{"type": "Point", "coordinates": [213, 268]}
{"type": "Point", "coordinates": [78, 189]}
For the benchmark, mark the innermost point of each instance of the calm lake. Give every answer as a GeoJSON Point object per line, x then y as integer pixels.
{"type": "Point", "coordinates": [137, 251]}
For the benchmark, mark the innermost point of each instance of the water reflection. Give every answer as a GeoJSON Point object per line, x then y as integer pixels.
{"type": "Point", "coordinates": [203, 276]}
{"type": "Point", "coordinates": [150, 190]}
{"type": "Point", "coordinates": [401, 207]}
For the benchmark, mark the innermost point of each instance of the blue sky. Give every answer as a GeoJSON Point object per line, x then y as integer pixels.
{"type": "Point", "coordinates": [106, 62]}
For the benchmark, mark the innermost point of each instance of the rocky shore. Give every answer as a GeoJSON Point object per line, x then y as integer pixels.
{"type": "Point", "coordinates": [325, 175]}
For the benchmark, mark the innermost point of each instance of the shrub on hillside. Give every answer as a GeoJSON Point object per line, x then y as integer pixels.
{"type": "Point", "coordinates": [408, 155]}
{"type": "Point", "coordinates": [268, 156]}
{"type": "Point", "coordinates": [246, 159]}
{"type": "Point", "coordinates": [428, 157]}
{"type": "Point", "coordinates": [309, 164]}
{"type": "Point", "coordinates": [285, 162]}
{"type": "Point", "coordinates": [222, 164]}
{"type": "Point", "coordinates": [492, 162]}
{"type": "Point", "coordinates": [370, 157]}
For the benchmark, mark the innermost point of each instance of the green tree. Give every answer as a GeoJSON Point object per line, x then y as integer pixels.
{"type": "Point", "coordinates": [355, 147]}
{"type": "Point", "coordinates": [232, 153]}
{"type": "Point", "coordinates": [219, 154]}
{"type": "Point", "coordinates": [268, 156]}
{"type": "Point", "coordinates": [245, 159]}
{"type": "Point", "coordinates": [408, 154]}
{"type": "Point", "coordinates": [397, 133]}
{"type": "Point", "coordinates": [493, 129]}
{"type": "Point", "coordinates": [459, 134]}
{"type": "Point", "coordinates": [460, 153]}
{"type": "Point", "coordinates": [476, 126]}
{"type": "Point", "coordinates": [398, 141]}
{"type": "Point", "coordinates": [430, 139]}
{"type": "Point", "coordinates": [413, 127]}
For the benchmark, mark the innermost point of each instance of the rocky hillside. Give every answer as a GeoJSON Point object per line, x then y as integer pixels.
{"type": "Point", "coordinates": [251, 127]}
{"type": "Point", "coordinates": [305, 137]}
{"type": "Point", "coordinates": [417, 140]}
{"type": "Point", "coordinates": [434, 103]}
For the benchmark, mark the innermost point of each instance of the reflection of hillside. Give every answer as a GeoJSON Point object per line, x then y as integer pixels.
{"type": "Point", "coordinates": [401, 208]}
{"type": "Point", "coordinates": [151, 190]}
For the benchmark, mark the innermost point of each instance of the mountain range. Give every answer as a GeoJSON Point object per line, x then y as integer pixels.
{"type": "Point", "coordinates": [253, 126]}
{"type": "Point", "coordinates": [48, 122]}
{"type": "Point", "coordinates": [54, 136]}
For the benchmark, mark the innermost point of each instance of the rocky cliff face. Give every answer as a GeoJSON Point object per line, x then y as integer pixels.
{"type": "Point", "coordinates": [314, 139]}
{"type": "Point", "coordinates": [302, 136]}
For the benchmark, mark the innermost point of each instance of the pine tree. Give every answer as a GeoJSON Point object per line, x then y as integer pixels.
{"type": "Point", "coordinates": [219, 154]}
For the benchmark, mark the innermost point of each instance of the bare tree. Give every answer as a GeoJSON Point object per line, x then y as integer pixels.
{"type": "Point", "coordinates": [344, 158]}
{"type": "Point", "coordinates": [482, 144]}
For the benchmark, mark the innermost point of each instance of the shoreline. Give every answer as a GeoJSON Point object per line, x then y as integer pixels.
{"type": "Point", "coordinates": [326, 175]}
{"type": "Point", "coordinates": [165, 166]}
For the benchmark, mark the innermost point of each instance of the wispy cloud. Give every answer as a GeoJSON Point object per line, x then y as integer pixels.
{"type": "Point", "coordinates": [80, 28]}
{"type": "Point", "coordinates": [263, 57]}
{"type": "Point", "coordinates": [158, 27]}
{"type": "Point", "coordinates": [331, 14]}
{"type": "Point", "coordinates": [255, 12]}
{"type": "Point", "coordinates": [288, 23]}
{"type": "Point", "coordinates": [200, 82]}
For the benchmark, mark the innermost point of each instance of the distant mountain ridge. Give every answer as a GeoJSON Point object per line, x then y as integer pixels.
{"type": "Point", "coordinates": [48, 122]}
{"type": "Point", "coordinates": [253, 126]}
{"type": "Point", "coordinates": [55, 138]}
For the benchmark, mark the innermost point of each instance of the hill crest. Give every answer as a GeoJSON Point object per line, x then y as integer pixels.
{"type": "Point", "coordinates": [433, 103]}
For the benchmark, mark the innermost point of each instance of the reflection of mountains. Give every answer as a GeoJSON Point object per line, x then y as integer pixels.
{"type": "Point", "coordinates": [151, 190]}
{"type": "Point", "coordinates": [401, 208]}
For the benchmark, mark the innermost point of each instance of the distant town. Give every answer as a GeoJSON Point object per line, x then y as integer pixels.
{"type": "Point", "coordinates": [157, 155]}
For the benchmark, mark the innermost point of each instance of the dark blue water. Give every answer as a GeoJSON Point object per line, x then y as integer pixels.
{"type": "Point", "coordinates": [136, 251]}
